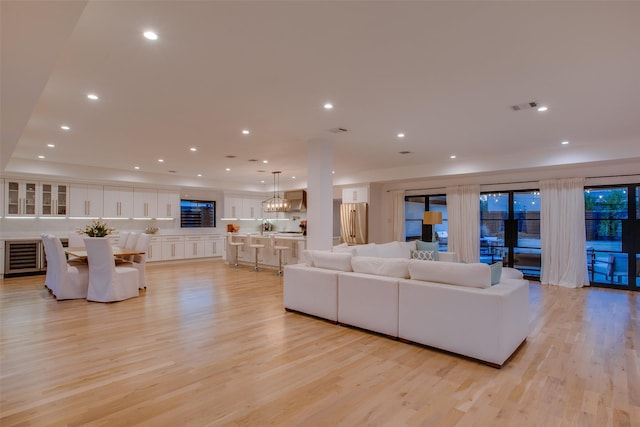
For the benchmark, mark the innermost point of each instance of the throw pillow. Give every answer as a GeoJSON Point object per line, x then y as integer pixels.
{"type": "Point", "coordinates": [496, 272]}
{"type": "Point", "coordinates": [428, 246]}
{"type": "Point", "coordinates": [424, 255]}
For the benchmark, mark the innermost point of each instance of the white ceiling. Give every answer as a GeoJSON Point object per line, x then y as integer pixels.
{"type": "Point", "coordinates": [444, 73]}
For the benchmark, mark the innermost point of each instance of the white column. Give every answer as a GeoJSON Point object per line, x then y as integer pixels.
{"type": "Point", "coordinates": [319, 194]}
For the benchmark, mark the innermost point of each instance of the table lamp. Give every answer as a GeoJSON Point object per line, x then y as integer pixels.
{"type": "Point", "coordinates": [430, 218]}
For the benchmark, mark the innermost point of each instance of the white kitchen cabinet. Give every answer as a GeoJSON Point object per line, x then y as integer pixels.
{"type": "Point", "coordinates": [85, 200]}
{"type": "Point", "coordinates": [1, 204]}
{"type": "Point", "coordinates": [21, 198]}
{"type": "Point", "coordinates": [214, 246]}
{"type": "Point", "coordinates": [355, 195]}
{"type": "Point", "coordinates": [54, 199]}
{"type": "Point", "coordinates": [232, 207]}
{"type": "Point", "coordinates": [168, 204]}
{"type": "Point", "coordinates": [242, 207]}
{"type": "Point", "coordinates": [194, 246]}
{"type": "Point", "coordinates": [154, 250]}
{"type": "Point", "coordinates": [118, 202]}
{"type": "Point", "coordinates": [172, 247]}
{"type": "Point", "coordinates": [252, 208]}
{"type": "Point", "coordinates": [145, 203]}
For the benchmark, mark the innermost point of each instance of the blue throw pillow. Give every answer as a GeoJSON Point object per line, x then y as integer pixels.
{"type": "Point", "coordinates": [428, 246]}
{"type": "Point", "coordinates": [496, 272]}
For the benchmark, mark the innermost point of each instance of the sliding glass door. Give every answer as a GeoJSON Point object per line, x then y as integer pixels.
{"type": "Point", "coordinates": [510, 230]}
{"type": "Point", "coordinates": [612, 223]}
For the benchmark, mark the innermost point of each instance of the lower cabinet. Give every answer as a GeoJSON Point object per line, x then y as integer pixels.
{"type": "Point", "coordinates": [214, 246]}
{"type": "Point", "coordinates": [154, 251]}
{"type": "Point", "coordinates": [172, 247]}
{"type": "Point", "coordinates": [194, 247]}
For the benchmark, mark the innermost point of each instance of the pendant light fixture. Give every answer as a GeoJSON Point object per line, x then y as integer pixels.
{"type": "Point", "coordinates": [276, 203]}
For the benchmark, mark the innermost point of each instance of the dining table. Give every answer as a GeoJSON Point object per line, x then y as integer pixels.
{"type": "Point", "coordinates": [80, 253]}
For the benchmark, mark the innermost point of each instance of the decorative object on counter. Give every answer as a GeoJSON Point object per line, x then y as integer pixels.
{"type": "Point", "coordinates": [303, 227]}
{"type": "Point", "coordinates": [96, 229]}
{"type": "Point", "coordinates": [151, 230]}
{"type": "Point", "coordinates": [267, 226]}
{"type": "Point", "coordinates": [276, 203]}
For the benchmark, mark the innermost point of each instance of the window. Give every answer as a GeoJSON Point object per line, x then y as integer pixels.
{"type": "Point", "coordinates": [197, 213]}
{"type": "Point", "coordinates": [415, 207]}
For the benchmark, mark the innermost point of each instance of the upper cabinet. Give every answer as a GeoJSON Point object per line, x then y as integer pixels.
{"type": "Point", "coordinates": [21, 198]}
{"type": "Point", "coordinates": [54, 199]}
{"type": "Point", "coordinates": [85, 200]}
{"type": "Point", "coordinates": [145, 203]}
{"type": "Point", "coordinates": [242, 208]}
{"type": "Point", "coordinates": [118, 202]}
{"type": "Point", "coordinates": [355, 195]}
{"type": "Point", "coordinates": [168, 204]}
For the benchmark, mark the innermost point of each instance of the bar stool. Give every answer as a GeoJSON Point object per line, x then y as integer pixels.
{"type": "Point", "coordinates": [279, 248]}
{"type": "Point", "coordinates": [257, 247]}
{"type": "Point", "coordinates": [236, 244]}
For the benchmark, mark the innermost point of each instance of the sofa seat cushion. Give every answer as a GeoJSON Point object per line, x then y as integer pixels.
{"type": "Point", "coordinates": [390, 267]}
{"type": "Point", "coordinates": [475, 275]}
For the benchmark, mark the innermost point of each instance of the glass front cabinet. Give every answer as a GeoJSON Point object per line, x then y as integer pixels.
{"type": "Point", "coordinates": [54, 199]}
{"type": "Point", "coordinates": [21, 198]}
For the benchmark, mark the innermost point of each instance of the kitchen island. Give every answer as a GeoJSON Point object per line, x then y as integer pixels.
{"type": "Point", "coordinates": [267, 256]}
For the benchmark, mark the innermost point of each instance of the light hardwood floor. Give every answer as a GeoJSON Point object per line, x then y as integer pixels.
{"type": "Point", "coordinates": [207, 344]}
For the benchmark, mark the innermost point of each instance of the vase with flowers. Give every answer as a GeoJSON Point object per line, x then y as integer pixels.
{"type": "Point", "coordinates": [303, 227]}
{"type": "Point", "coordinates": [96, 229]}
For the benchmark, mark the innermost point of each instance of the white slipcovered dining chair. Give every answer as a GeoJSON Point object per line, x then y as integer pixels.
{"type": "Point", "coordinates": [106, 281]}
{"type": "Point", "coordinates": [64, 281]}
{"type": "Point", "coordinates": [122, 242]}
{"type": "Point", "coordinates": [139, 261]}
{"type": "Point", "coordinates": [75, 240]}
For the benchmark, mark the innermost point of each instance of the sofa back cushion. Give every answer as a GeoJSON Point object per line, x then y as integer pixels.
{"type": "Point", "coordinates": [390, 250]}
{"type": "Point", "coordinates": [390, 267]}
{"type": "Point", "coordinates": [475, 275]}
{"type": "Point", "coordinates": [369, 249]}
{"type": "Point", "coordinates": [340, 261]}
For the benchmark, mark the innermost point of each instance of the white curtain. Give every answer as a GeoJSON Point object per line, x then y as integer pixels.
{"type": "Point", "coordinates": [562, 233]}
{"type": "Point", "coordinates": [397, 216]}
{"type": "Point", "coordinates": [463, 213]}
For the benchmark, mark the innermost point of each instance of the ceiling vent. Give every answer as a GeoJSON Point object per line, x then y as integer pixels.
{"type": "Point", "coordinates": [338, 130]}
{"type": "Point", "coordinates": [525, 106]}
{"type": "Point", "coordinates": [404, 152]}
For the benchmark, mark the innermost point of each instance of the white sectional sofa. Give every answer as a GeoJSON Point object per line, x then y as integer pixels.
{"type": "Point", "coordinates": [443, 304]}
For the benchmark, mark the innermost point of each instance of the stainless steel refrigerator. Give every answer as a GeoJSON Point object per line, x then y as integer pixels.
{"type": "Point", "coordinates": [353, 223]}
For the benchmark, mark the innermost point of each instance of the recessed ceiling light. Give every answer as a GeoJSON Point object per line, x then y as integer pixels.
{"type": "Point", "coordinates": [565, 142]}
{"type": "Point", "coordinates": [262, 182]}
{"type": "Point", "coordinates": [328, 106]}
{"type": "Point", "coordinates": [333, 171]}
{"type": "Point", "coordinates": [228, 169]}
{"type": "Point", "coordinates": [293, 177]}
{"type": "Point", "coordinates": [150, 35]}
{"type": "Point", "coordinates": [65, 127]}
{"type": "Point", "coordinates": [245, 131]}
{"type": "Point", "coordinates": [93, 97]}
{"type": "Point", "coordinates": [41, 157]}
{"type": "Point", "coordinates": [136, 168]}
{"type": "Point", "coordinates": [193, 149]}
{"type": "Point", "coordinates": [453, 156]}
{"type": "Point", "coordinates": [401, 135]}
{"type": "Point", "coordinates": [199, 174]}
{"type": "Point", "coordinates": [160, 160]}
{"type": "Point", "coordinates": [51, 145]}
{"type": "Point", "coordinates": [265, 161]}
{"type": "Point", "coordinates": [542, 109]}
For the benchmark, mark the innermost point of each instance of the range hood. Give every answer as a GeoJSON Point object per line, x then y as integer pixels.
{"type": "Point", "coordinates": [298, 200]}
